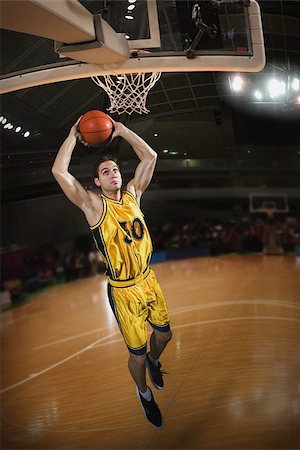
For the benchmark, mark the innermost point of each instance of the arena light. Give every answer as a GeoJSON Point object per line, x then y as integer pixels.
{"type": "Point", "coordinates": [236, 83]}
{"type": "Point", "coordinates": [276, 88]}
{"type": "Point", "coordinates": [6, 125]}
{"type": "Point", "coordinates": [258, 95]}
{"type": "Point", "coordinates": [1, 118]}
{"type": "Point", "coordinates": [155, 134]}
{"type": "Point", "coordinates": [129, 17]}
{"type": "Point", "coordinates": [127, 36]}
{"type": "Point", "coordinates": [130, 7]}
{"type": "Point", "coordinates": [10, 127]}
{"type": "Point", "coordinates": [296, 84]}
{"type": "Point", "coordinates": [26, 134]}
{"type": "Point", "coordinates": [131, 1]}
{"type": "Point", "coordinates": [18, 129]}
{"type": "Point", "coordinates": [165, 151]}
{"type": "Point", "coordinates": [4, 120]}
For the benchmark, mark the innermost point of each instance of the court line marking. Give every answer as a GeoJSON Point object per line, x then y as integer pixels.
{"type": "Point", "coordinates": [34, 375]}
{"type": "Point", "coordinates": [204, 322]}
{"type": "Point", "coordinates": [178, 311]}
{"type": "Point", "coordinates": [252, 302]}
{"type": "Point", "coordinates": [182, 310]}
{"type": "Point", "coordinates": [99, 341]}
{"type": "Point", "coordinates": [205, 262]}
{"type": "Point", "coordinates": [69, 338]}
{"type": "Point", "coordinates": [92, 346]}
{"type": "Point", "coordinates": [2, 324]}
{"type": "Point", "coordinates": [229, 319]}
{"type": "Point", "coordinates": [164, 286]}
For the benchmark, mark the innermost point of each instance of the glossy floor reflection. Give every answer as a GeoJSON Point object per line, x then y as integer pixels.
{"type": "Point", "coordinates": [233, 363]}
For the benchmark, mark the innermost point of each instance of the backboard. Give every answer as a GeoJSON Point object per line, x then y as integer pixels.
{"type": "Point", "coordinates": [168, 27]}
{"type": "Point", "coordinates": [146, 36]}
{"type": "Point", "coordinates": [262, 202]}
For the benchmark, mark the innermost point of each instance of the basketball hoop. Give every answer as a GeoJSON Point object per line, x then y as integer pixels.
{"type": "Point", "coordinates": [128, 92]}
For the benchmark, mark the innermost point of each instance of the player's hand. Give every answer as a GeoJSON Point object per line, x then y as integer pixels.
{"type": "Point", "coordinates": [118, 129]}
{"type": "Point", "coordinates": [74, 129]}
{"type": "Point", "coordinates": [81, 140]}
{"type": "Point", "coordinates": [76, 133]}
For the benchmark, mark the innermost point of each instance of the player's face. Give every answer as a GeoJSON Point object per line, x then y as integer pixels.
{"type": "Point", "coordinates": [109, 176]}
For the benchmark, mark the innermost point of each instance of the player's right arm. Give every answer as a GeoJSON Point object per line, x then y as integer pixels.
{"type": "Point", "coordinates": [69, 184]}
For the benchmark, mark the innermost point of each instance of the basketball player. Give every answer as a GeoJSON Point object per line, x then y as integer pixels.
{"type": "Point", "coordinates": [121, 235]}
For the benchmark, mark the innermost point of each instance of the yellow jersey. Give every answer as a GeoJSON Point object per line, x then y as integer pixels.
{"type": "Point", "coordinates": [122, 238]}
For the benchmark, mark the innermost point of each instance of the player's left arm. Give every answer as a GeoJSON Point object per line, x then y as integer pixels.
{"type": "Point", "coordinates": [147, 156]}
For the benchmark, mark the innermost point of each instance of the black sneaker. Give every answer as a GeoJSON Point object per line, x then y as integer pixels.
{"type": "Point", "coordinates": [151, 410]}
{"type": "Point", "coordinates": [155, 374]}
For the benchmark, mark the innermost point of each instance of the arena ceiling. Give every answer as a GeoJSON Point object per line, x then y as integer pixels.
{"type": "Point", "coordinates": [214, 138]}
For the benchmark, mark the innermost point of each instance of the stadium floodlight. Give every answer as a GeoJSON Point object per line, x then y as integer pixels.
{"type": "Point", "coordinates": [276, 88]}
{"type": "Point", "coordinates": [296, 84]}
{"type": "Point", "coordinates": [236, 83]}
{"type": "Point", "coordinates": [258, 95]}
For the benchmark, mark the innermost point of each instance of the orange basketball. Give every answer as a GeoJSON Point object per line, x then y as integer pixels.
{"type": "Point", "coordinates": [96, 128]}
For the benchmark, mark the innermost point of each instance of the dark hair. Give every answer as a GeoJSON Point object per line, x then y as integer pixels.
{"type": "Point", "coordinates": [102, 159]}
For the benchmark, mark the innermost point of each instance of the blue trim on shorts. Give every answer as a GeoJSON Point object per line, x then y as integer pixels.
{"type": "Point", "coordinates": [140, 351]}
{"type": "Point", "coordinates": [159, 328]}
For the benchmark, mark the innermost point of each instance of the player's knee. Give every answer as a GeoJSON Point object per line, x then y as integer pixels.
{"type": "Point", "coordinates": [169, 335]}
{"type": "Point", "coordinates": [137, 360]}
{"type": "Point", "coordinates": [165, 336]}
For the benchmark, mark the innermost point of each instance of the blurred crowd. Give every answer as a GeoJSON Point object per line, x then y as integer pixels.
{"type": "Point", "coordinates": [246, 235]}
{"type": "Point", "coordinates": [40, 269]}
{"type": "Point", "coordinates": [46, 268]}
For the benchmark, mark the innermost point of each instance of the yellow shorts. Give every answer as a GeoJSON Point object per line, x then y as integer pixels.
{"type": "Point", "coordinates": [136, 304]}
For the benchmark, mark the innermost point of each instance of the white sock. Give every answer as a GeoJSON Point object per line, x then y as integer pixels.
{"type": "Point", "coordinates": [147, 395]}
{"type": "Point", "coordinates": [154, 361]}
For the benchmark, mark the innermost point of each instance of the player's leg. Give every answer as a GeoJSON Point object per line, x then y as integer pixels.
{"type": "Point", "coordinates": [137, 368]}
{"type": "Point", "coordinates": [158, 317]}
{"type": "Point", "coordinates": [131, 313]}
{"type": "Point", "coordinates": [158, 342]}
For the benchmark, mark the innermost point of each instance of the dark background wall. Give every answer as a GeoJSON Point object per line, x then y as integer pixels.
{"type": "Point", "coordinates": [55, 220]}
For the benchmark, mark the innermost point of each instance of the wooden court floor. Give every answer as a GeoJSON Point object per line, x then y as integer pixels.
{"type": "Point", "coordinates": [233, 363]}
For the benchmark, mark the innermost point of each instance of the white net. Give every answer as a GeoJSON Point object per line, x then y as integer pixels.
{"type": "Point", "coordinates": [128, 92]}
